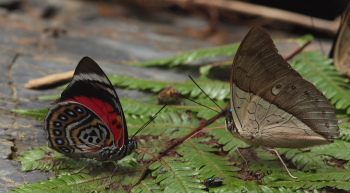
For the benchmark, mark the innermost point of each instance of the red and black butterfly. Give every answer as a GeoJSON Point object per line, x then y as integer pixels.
{"type": "Point", "coordinates": [88, 120]}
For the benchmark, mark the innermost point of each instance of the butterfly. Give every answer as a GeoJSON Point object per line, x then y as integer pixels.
{"type": "Point", "coordinates": [341, 48]}
{"type": "Point", "coordinates": [88, 121]}
{"type": "Point", "coordinates": [272, 104]}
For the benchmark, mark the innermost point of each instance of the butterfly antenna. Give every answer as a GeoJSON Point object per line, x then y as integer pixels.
{"type": "Point", "coordinates": [205, 95]}
{"type": "Point", "coordinates": [149, 121]}
{"type": "Point", "coordinates": [199, 103]}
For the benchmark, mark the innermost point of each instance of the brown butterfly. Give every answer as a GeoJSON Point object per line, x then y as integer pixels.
{"type": "Point", "coordinates": [272, 104]}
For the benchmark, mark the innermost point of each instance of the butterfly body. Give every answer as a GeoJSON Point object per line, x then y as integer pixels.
{"type": "Point", "coordinates": [88, 120]}
{"type": "Point", "coordinates": [272, 105]}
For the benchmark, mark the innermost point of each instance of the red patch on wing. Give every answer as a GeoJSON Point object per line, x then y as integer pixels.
{"type": "Point", "coordinates": [107, 113]}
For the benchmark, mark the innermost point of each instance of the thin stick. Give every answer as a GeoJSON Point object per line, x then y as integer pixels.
{"type": "Point", "coordinates": [202, 131]}
{"type": "Point", "coordinates": [145, 151]}
{"type": "Point", "coordinates": [297, 51]}
{"type": "Point", "coordinates": [268, 12]}
{"type": "Point", "coordinates": [49, 80]}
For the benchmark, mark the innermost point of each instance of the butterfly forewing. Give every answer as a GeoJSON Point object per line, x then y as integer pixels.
{"type": "Point", "coordinates": [272, 105]}
{"type": "Point", "coordinates": [91, 87]}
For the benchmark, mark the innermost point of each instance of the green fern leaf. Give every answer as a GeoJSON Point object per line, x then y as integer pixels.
{"type": "Point", "coordinates": [210, 165]}
{"type": "Point", "coordinates": [319, 69]}
{"type": "Point", "coordinates": [306, 160]}
{"type": "Point", "coordinates": [216, 90]}
{"type": "Point", "coordinates": [94, 176]}
{"type": "Point", "coordinates": [36, 113]}
{"type": "Point", "coordinates": [176, 175]}
{"type": "Point", "coordinates": [73, 183]}
{"type": "Point", "coordinates": [338, 150]}
{"type": "Point", "coordinates": [147, 186]}
{"type": "Point", "coordinates": [195, 55]}
{"type": "Point", "coordinates": [164, 129]}
{"type": "Point", "coordinates": [344, 127]}
{"type": "Point", "coordinates": [337, 178]}
{"type": "Point", "coordinates": [49, 97]}
{"type": "Point", "coordinates": [191, 56]}
{"type": "Point", "coordinates": [136, 83]}
{"type": "Point", "coordinates": [46, 159]}
{"type": "Point", "coordinates": [224, 137]}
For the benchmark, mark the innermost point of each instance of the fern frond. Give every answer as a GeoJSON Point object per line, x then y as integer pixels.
{"type": "Point", "coordinates": [217, 90]}
{"type": "Point", "coordinates": [306, 160]}
{"type": "Point", "coordinates": [176, 175]}
{"type": "Point", "coordinates": [195, 55]}
{"type": "Point", "coordinates": [141, 84]}
{"type": "Point", "coordinates": [344, 125]}
{"type": "Point", "coordinates": [191, 56]}
{"type": "Point", "coordinates": [36, 113]}
{"type": "Point", "coordinates": [225, 138]}
{"type": "Point", "coordinates": [209, 164]}
{"type": "Point", "coordinates": [74, 183]}
{"type": "Point", "coordinates": [165, 129]}
{"type": "Point", "coordinates": [320, 71]}
{"type": "Point", "coordinates": [147, 186]}
{"type": "Point", "coordinates": [313, 181]}
{"type": "Point", "coordinates": [94, 176]}
{"type": "Point", "coordinates": [49, 97]}
{"type": "Point", "coordinates": [338, 150]}
{"type": "Point", "coordinates": [46, 159]}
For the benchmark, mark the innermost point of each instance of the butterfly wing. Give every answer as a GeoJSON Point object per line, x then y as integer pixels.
{"type": "Point", "coordinates": [92, 92]}
{"type": "Point", "coordinates": [342, 45]}
{"type": "Point", "coordinates": [272, 105]}
{"type": "Point", "coordinates": [75, 130]}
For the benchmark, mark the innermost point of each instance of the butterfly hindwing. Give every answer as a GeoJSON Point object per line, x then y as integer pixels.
{"type": "Point", "coordinates": [272, 105]}
{"type": "Point", "coordinates": [74, 129]}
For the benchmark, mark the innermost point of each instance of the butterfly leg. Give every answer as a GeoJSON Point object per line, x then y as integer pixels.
{"type": "Point", "coordinates": [278, 155]}
{"type": "Point", "coordinates": [239, 152]}
{"type": "Point", "coordinates": [81, 169]}
{"type": "Point", "coordinates": [115, 170]}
